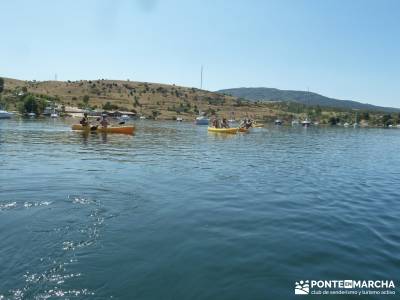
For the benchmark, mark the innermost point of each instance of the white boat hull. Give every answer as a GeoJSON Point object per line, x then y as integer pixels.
{"type": "Point", "coordinates": [5, 114]}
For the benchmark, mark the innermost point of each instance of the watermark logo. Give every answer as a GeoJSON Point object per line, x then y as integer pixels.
{"type": "Point", "coordinates": [302, 287]}
{"type": "Point", "coordinates": [345, 287]}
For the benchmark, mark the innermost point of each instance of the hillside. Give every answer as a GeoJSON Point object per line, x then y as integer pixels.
{"type": "Point", "coordinates": [307, 98]}
{"type": "Point", "coordinates": [149, 99]}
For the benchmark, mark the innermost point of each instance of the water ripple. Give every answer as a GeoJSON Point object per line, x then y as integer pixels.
{"type": "Point", "coordinates": [175, 212]}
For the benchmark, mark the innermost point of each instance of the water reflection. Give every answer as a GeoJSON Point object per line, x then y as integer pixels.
{"type": "Point", "coordinates": [104, 138]}
{"type": "Point", "coordinates": [222, 136]}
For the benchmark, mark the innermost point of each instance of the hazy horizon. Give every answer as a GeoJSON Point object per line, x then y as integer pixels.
{"type": "Point", "coordinates": [334, 48]}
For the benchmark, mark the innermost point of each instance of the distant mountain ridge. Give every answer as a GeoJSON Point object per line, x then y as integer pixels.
{"type": "Point", "coordinates": [308, 98]}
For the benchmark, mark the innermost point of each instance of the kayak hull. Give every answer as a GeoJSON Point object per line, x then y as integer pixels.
{"type": "Point", "coordinates": [223, 130]}
{"type": "Point", "coordinates": [243, 129]}
{"type": "Point", "coordinates": [122, 129]}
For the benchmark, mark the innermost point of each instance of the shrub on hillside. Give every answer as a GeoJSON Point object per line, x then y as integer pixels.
{"type": "Point", "coordinates": [109, 106]}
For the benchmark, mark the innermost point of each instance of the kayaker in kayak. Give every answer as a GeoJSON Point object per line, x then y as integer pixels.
{"type": "Point", "coordinates": [224, 123]}
{"type": "Point", "coordinates": [246, 123]}
{"type": "Point", "coordinates": [215, 123]}
{"type": "Point", "coordinates": [249, 123]}
{"type": "Point", "coordinates": [104, 122]}
{"type": "Point", "coordinates": [85, 120]}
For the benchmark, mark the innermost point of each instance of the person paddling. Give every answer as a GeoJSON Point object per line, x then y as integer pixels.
{"type": "Point", "coordinates": [85, 120]}
{"type": "Point", "coordinates": [224, 123]}
{"type": "Point", "coordinates": [104, 122]}
{"type": "Point", "coordinates": [215, 123]}
{"type": "Point", "coordinates": [249, 123]}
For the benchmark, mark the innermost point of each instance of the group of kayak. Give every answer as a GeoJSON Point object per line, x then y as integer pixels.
{"type": "Point", "coordinates": [222, 126]}
{"type": "Point", "coordinates": [102, 125]}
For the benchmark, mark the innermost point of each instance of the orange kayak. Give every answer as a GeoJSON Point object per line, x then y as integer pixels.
{"type": "Point", "coordinates": [120, 129]}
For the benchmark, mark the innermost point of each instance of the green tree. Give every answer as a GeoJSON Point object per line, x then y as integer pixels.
{"type": "Point", "coordinates": [364, 116]}
{"type": "Point", "coordinates": [31, 104]}
{"type": "Point", "coordinates": [1, 85]}
{"type": "Point", "coordinates": [86, 99]}
{"type": "Point", "coordinates": [318, 110]}
{"type": "Point", "coordinates": [239, 102]}
{"type": "Point", "coordinates": [109, 106]}
{"type": "Point", "coordinates": [136, 101]}
{"type": "Point", "coordinates": [334, 120]}
{"type": "Point", "coordinates": [387, 120]}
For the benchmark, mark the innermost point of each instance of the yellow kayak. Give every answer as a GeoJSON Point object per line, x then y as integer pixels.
{"type": "Point", "coordinates": [120, 129]}
{"type": "Point", "coordinates": [223, 130]}
{"type": "Point", "coordinates": [242, 129]}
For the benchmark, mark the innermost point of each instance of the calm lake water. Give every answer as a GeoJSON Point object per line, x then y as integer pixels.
{"type": "Point", "coordinates": [174, 212]}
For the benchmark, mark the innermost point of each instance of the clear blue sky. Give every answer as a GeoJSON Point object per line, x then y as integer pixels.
{"type": "Point", "coordinates": [339, 48]}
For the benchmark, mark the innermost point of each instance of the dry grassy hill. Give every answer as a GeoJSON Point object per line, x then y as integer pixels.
{"type": "Point", "coordinates": [149, 99]}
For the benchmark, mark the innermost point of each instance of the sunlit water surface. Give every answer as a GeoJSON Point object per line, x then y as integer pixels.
{"type": "Point", "coordinates": [174, 212]}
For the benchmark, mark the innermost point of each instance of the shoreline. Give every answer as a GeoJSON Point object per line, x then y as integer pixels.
{"type": "Point", "coordinates": [192, 121]}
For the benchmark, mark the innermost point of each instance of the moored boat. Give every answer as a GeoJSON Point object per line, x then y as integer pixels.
{"type": "Point", "coordinates": [111, 129]}
{"type": "Point", "coordinates": [5, 114]}
{"type": "Point", "coordinates": [306, 123]}
{"type": "Point", "coordinates": [202, 120]}
{"type": "Point", "coordinates": [124, 118]}
{"type": "Point", "coordinates": [54, 114]}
